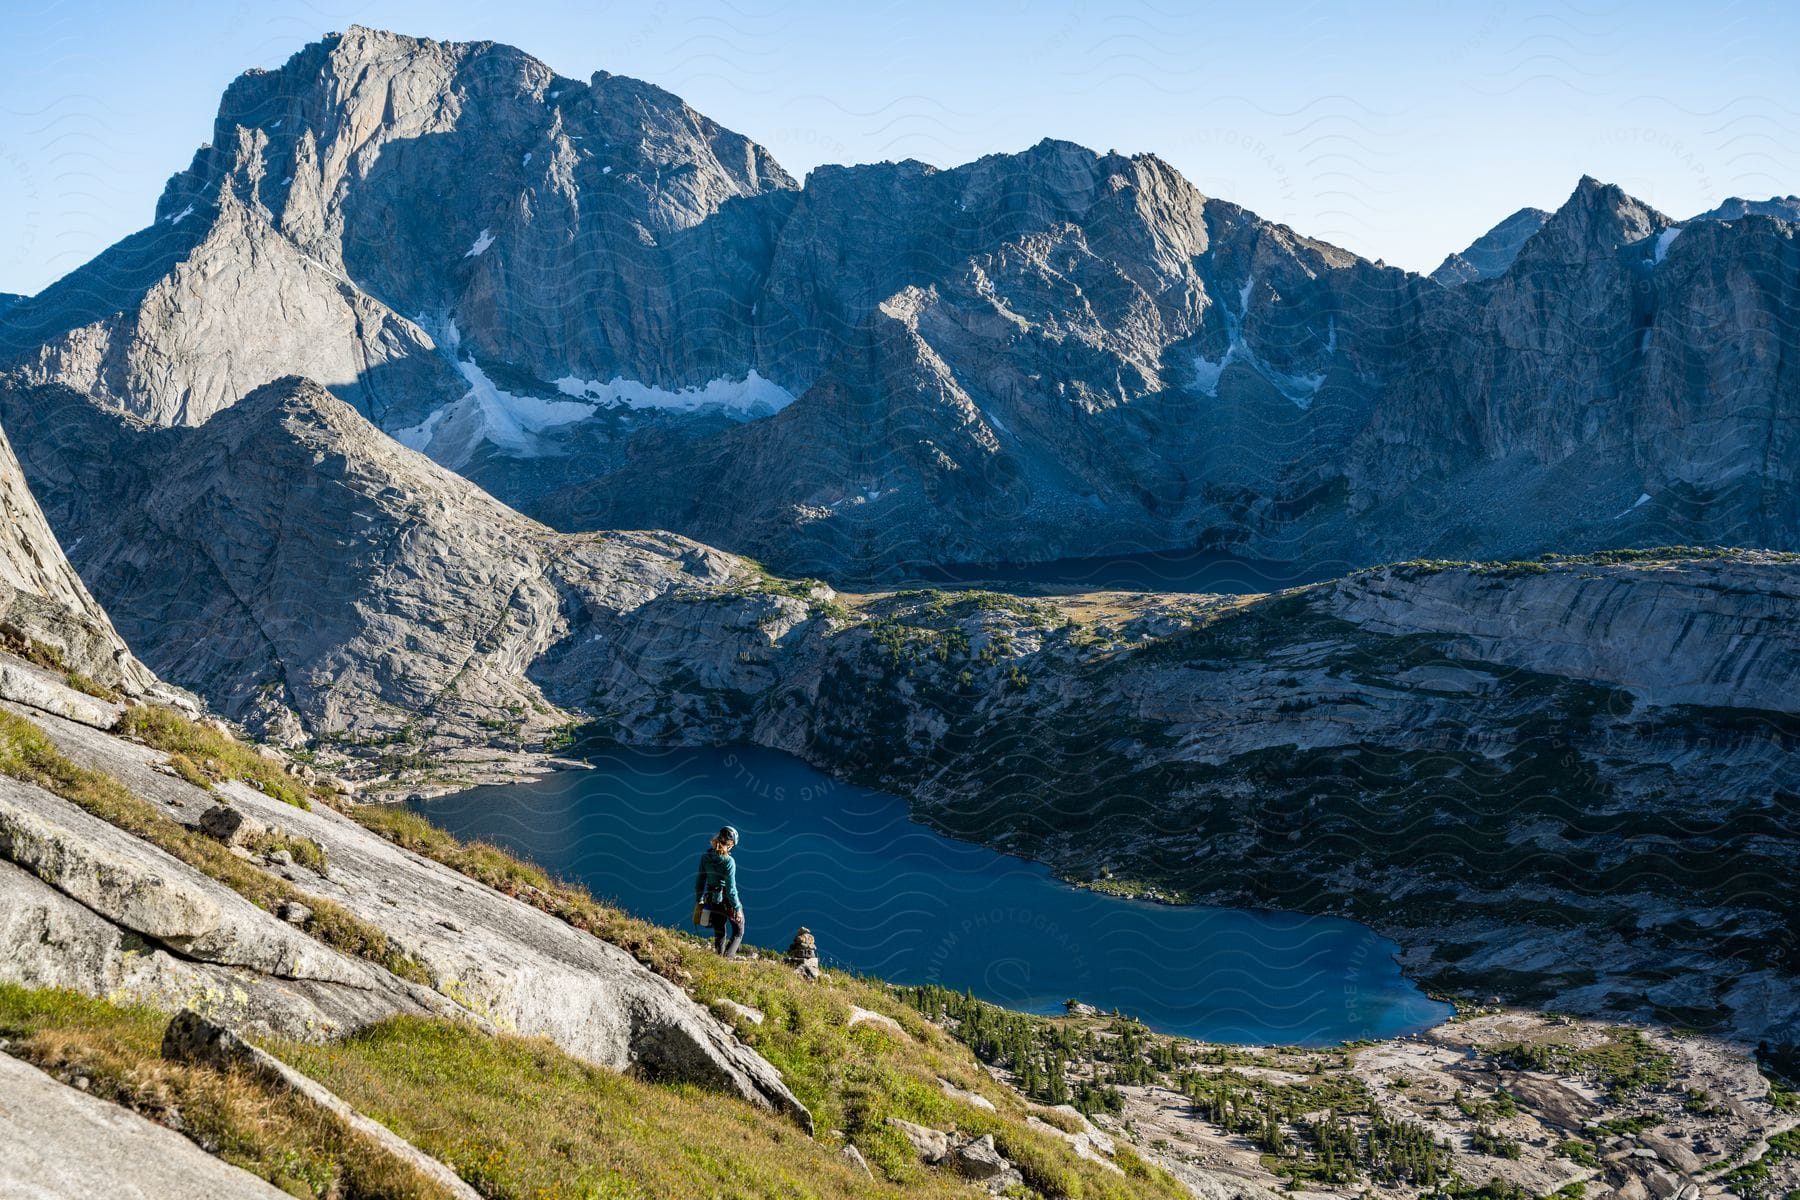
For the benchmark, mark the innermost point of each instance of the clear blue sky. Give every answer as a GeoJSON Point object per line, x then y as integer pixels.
{"type": "Point", "coordinates": [1398, 130]}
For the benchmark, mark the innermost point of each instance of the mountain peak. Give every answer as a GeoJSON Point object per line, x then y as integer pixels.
{"type": "Point", "coordinates": [1491, 253]}
{"type": "Point", "coordinates": [1594, 222]}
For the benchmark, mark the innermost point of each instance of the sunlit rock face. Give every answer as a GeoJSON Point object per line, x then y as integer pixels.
{"type": "Point", "coordinates": [609, 311]}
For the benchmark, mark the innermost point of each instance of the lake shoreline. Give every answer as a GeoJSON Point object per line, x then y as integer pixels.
{"type": "Point", "coordinates": [1017, 903]}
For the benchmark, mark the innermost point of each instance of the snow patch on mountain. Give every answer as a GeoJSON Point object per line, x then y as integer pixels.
{"type": "Point", "coordinates": [1296, 387]}
{"type": "Point", "coordinates": [1207, 371]}
{"type": "Point", "coordinates": [1664, 240]}
{"type": "Point", "coordinates": [749, 397]}
{"type": "Point", "coordinates": [509, 422]}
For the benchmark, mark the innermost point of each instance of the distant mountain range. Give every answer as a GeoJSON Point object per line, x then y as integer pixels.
{"type": "Point", "coordinates": [611, 312]}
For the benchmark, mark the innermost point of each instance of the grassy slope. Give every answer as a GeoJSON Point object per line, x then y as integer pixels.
{"type": "Point", "coordinates": [117, 1050]}
{"type": "Point", "coordinates": [851, 1079]}
{"type": "Point", "coordinates": [516, 1116]}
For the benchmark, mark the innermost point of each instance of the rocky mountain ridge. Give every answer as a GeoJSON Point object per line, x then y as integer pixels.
{"type": "Point", "coordinates": [317, 581]}
{"type": "Point", "coordinates": [567, 290]}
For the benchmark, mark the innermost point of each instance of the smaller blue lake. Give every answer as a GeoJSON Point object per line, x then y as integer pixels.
{"type": "Point", "coordinates": [889, 897]}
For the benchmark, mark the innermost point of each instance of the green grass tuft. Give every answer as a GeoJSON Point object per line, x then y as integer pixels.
{"type": "Point", "coordinates": [208, 755]}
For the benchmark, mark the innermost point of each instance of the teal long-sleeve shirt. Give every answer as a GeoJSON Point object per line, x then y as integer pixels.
{"type": "Point", "coordinates": [717, 880]}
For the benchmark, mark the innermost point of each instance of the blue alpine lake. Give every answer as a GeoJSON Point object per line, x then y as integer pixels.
{"type": "Point", "coordinates": [886, 896]}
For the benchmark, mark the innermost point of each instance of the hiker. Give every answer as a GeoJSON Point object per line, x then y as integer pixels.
{"type": "Point", "coordinates": [716, 896]}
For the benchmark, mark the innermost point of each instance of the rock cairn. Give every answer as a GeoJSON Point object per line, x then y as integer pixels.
{"type": "Point", "coordinates": [803, 954]}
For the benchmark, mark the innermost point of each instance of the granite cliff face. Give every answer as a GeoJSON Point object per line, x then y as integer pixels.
{"type": "Point", "coordinates": [1623, 380]}
{"type": "Point", "coordinates": [610, 312]}
{"type": "Point", "coordinates": [1572, 781]}
{"type": "Point", "coordinates": [369, 178]}
{"type": "Point", "coordinates": [313, 578]}
{"type": "Point", "coordinates": [45, 609]}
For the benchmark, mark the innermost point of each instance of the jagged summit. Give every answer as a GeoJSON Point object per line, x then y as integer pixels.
{"type": "Point", "coordinates": [1493, 252]}
{"type": "Point", "coordinates": [1598, 219]}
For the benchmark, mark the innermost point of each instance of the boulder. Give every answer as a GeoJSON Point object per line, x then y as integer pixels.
{"type": "Point", "coordinates": [975, 1099]}
{"type": "Point", "coordinates": [1090, 1143]}
{"type": "Point", "coordinates": [24, 684]}
{"type": "Point", "coordinates": [978, 1159]}
{"type": "Point", "coordinates": [229, 824]}
{"type": "Point", "coordinates": [191, 1038]}
{"type": "Point", "coordinates": [1097, 1137]}
{"type": "Point", "coordinates": [863, 1016]}
{"type": "Point", "coordinates": [931, 1145]}
{"type": "Point", "coordinates": [730, 1009]}
{"type": "Point", "coordinates": [854, 1157]}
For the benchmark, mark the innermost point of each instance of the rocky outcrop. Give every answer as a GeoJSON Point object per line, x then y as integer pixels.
{"type": "Point", "coordinates": [92, 908]}
{"type": "Point", "coordinates": [43, 601]}
{"type": "Point", "coordinates": [974, 1158]}
{"type": "Point", "coordinates": [493, 959]}
{"type": "Point", "coordinates": [191, 1038]}
{"type": "Point", "coordinates": [1715, 633]}
{"type": "Point", "coordinates": [63, 1144]}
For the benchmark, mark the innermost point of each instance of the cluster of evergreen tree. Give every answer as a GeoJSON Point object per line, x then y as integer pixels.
{"type": "Point", "coordinates": [1328, 1130]}
{"type": "Point", "coordinates": [1039, 1052]}
{"type": "Point", "coordinates": [1324, 1144]}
